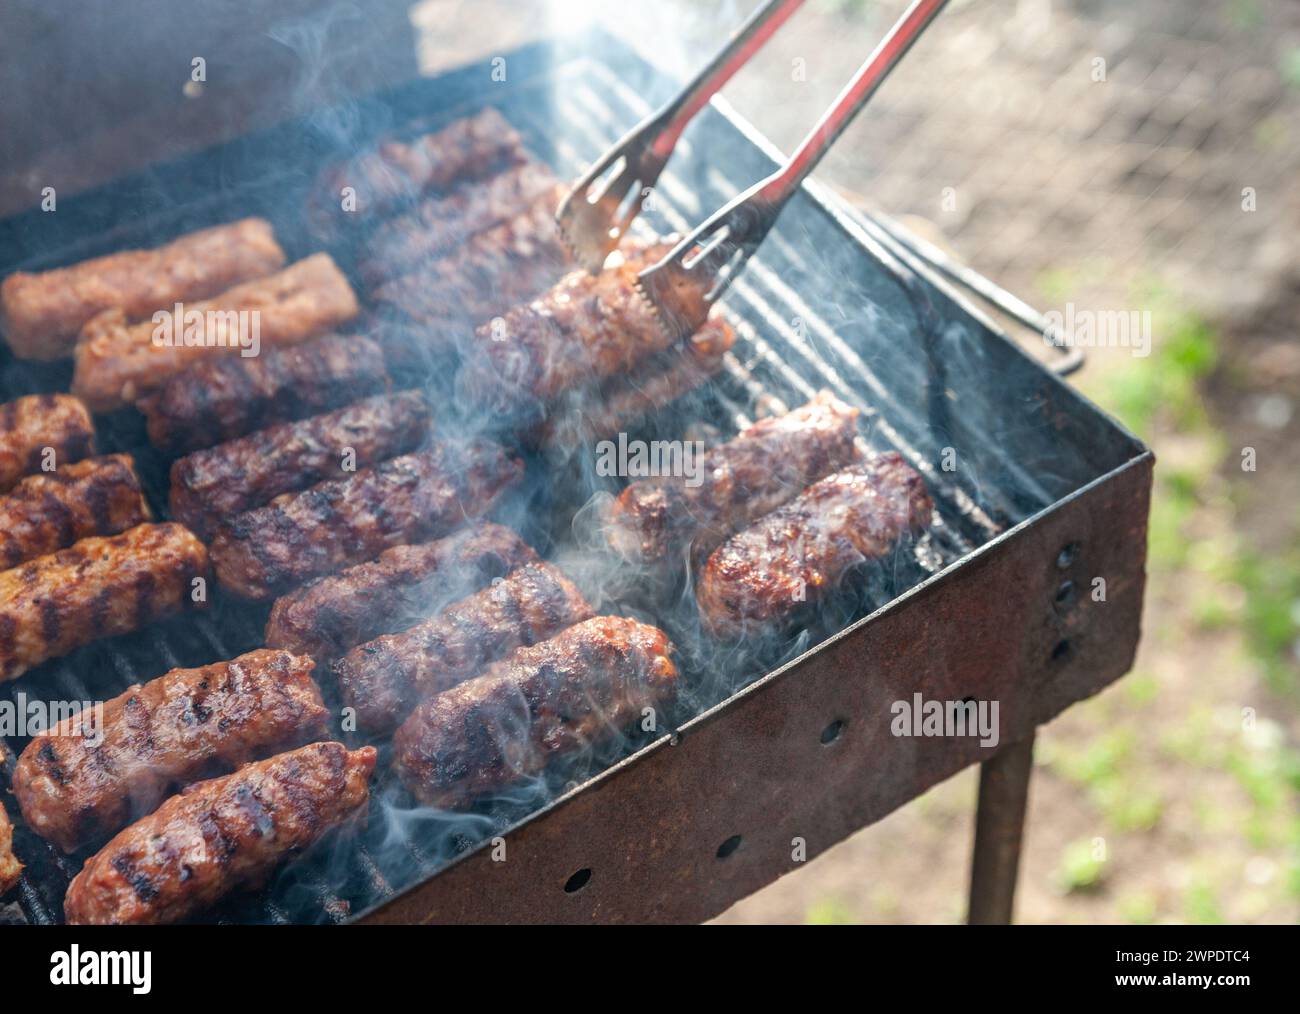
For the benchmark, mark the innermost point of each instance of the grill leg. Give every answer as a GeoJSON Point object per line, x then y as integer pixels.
{"type": "Point", "coordinates": [999, 822]}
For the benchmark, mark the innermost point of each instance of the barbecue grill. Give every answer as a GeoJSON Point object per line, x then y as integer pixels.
{"type": "Point", "coordinates": [1037, 494]}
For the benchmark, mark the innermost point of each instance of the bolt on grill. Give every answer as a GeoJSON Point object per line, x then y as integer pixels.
{"type": "Point", "coordinates": [830, 301]}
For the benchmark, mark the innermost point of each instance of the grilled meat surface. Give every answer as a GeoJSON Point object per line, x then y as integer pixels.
{"type": "Point", "coordinates": [581, 686]}
{"type": "Point", "coordinates": [298, 536]}
{"type": "Point", "coordinates": [440, 224]}
{"type": "Point", "coordinates": [231, 478]}
{"type": "Point", "coordinates": [52, 510]}
{"type": "Point", "coordinates": [222, 399]}
{"type": "Point", "coordinates": [654, 520]}
{"type": "Point", "coordinates": [30, 425]}
{"type": "Point", "coordinates": [436, 306]}
{"type": "Point", "coordinates": [221, 835]}
{"type": "Point", "coordinates": [118, 362]}
{"type": "Point", "coordinates": [766, 575]}
{"type": "Point", "coordinates": [402, 587]}
{"type": "Point", "coordinates": [84, 780]}
{"type": "Point", "coordinates": [584, 417]}
{"type": "Point", "coordinates": [397, 172]}
{"type": "Point", "coordinates": [583, 331]}
{"type": "Point", "coordinates": [10, 867]}
{"type": "Point", "coordinates": [100, 587]}
{"type": "Point", "coordinates": [43, 313]}
{"type": "Point", "coordinates": [385, 678]}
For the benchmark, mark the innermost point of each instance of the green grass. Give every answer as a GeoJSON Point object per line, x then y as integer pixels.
{"type": "Point", "coordinates": [1271, 616]}
{"type": "Point", "coordinates": [1079, 868]}
{"type": "Point", "coordinates": [829, 912]}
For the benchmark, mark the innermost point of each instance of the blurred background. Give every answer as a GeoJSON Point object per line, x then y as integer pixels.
{"type": "Point", "coordinates": [1109, 154]}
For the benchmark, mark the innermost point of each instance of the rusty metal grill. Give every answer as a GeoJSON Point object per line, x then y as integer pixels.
{"type": "Point", "coordinates": [828, 302]}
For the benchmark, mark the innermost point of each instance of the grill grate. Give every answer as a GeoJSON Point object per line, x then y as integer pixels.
{"type": "Point", "coordinates": [807, 316]}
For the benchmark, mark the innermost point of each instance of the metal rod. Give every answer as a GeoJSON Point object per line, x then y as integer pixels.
{"type": "Point", "coordinates": [852, 98]}
{"type": "Point", "coordinates": [999, 827]}
{"type": "Point", "coordinates": [746, 41]}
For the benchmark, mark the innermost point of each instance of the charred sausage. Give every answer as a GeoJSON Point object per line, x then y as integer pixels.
{"type": "Point", "coordinates": [222, 481]}
{"type": "Point", "coordinates": [383, 679]}
{"type": "Point", "coordinates": [402, 587]}
{"type": "Point", "coordinates": [766, 575]}
{"type": "Point", "coordinates": [580, 687]}
{"type": "Point", "coordinates": [100, 587]}
{"type": "Point", "coordinates": [86, 779]}
{"type": "Point", "coordinates": [50, 511]}
{"type": "Point", "coordinates": [221, 835]}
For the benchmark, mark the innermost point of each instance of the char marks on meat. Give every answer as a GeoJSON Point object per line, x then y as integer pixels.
{"type": "Point", "coordinates": [32, 426]}
{"type": "Point", "coordinates": [229, 397]}
{"type": "Point", "coordinates": [50, 511]}
{"type": "Point", "coordinates": [654, 520]}
{"type": "Point", "coordinates": [438, 225]}
{"type": "Point", "coordinates": [765, 576]}
{"type": "Point", "coordinates": [402, 587]}
{"type": "Point", "coordinates": [100, 587]}
{"type": "Point", "coordinates": [231, 478]}
{"type": "Point", "coordinates": [84, 780]}
{"type": "Point", "coordinates": [298, 536]}
{"type": "Point", "coordinates": [580, 687]}
{"type": "Point", "coordinates": [383, 679]}
{"type": "Point", "coordinates": [220, 835]}
{"type": "Point", "coordinates": [118, 362]}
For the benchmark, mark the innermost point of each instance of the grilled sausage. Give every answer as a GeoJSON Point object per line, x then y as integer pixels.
{"type": "Point", "coordinates": [10, 868]}
{"type": "Point", "coordinates": [225, 398]}
{"type": "Point", "coordinates": [42, 313]}
{"type": "Point", "coordinates": [583, 417]}
{"type": "Point", "coordinates": [581, 686]}
{"type": "Point", "coordinates": [399, 171]}
{"type": "Point", "coordinates": [86, 779]}
{"type": "Point", "coordinates": [437, 304]}
{"type": "Point", "coordinates": [440, 224]}
{"type": "Point", "coordinates": [382, 680]}
{"type": "Point", "coordinates": [584, 330]}
{"type": "Point", "coordinates": [118, 362]}
{"type": "Point", "coordinates": [654, 520]}
{"type": "Point", "coordinates": [221, 835]}
{"type": "Point", "coordinates": [766, 576]}
{"type": "Point", "coordinates": [32, 424]}
{"type": "Point", "coordinates": [48, 512]}
{"type": "Point", "coordinates": [100, 587]}
{"type": "Point", "coordinates": [231, 478]}
{"type": "Point", "coordinates": [298, 536]}
{"type": "Point", "coordinates": [404, 586]}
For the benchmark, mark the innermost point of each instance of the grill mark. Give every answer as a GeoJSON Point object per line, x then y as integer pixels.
{"type": "Point", "coordinates": [145, 586]}
{"type": "Point", "coordinates": [139, 881]}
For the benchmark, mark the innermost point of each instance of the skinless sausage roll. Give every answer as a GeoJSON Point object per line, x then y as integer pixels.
{"type": "Point", "coordinates": [86, 778]}
{"type": "Point", "coordinates": [40, 423]}
{"type": "Point", "coordinates": [47, 512]}
{"type": "Point", "coordinates": [41, 314]}
{"type": "Point", "coordinates": [220, 835]}
{"type": "Point", "coordinates": [100, 587]}
{"type": "Point", "coordinates": [118, 362]}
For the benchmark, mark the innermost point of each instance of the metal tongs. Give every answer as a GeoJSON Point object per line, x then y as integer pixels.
{"type": "Point", "coordinates": [684, 285]}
